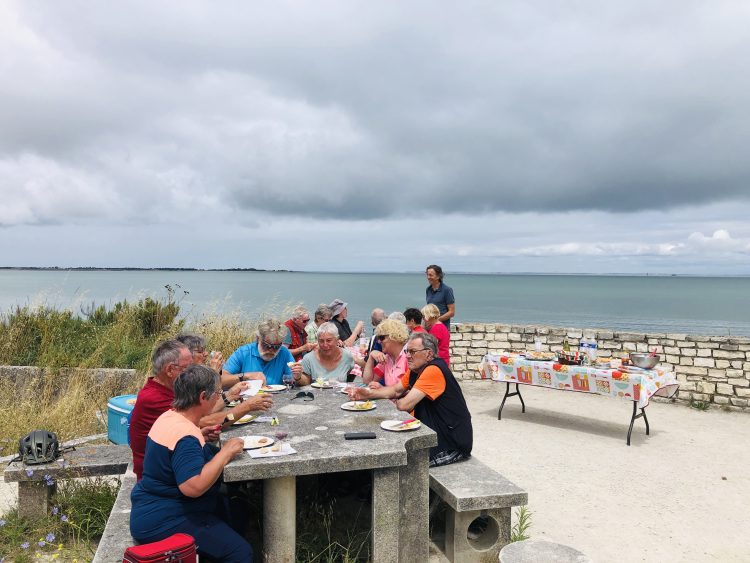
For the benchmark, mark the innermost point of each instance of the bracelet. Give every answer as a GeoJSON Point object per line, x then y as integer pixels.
{"type": "Point", "coordinates": [241, 377]}
{"type": "Point", "coordinates": [226, 400]}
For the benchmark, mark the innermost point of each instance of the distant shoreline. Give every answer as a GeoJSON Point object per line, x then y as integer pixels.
{"type": "Point", "coordinates": [281, 270]}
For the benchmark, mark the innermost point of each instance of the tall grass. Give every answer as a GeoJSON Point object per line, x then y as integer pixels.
{"type": "Point", "coordinates": [66, 401]}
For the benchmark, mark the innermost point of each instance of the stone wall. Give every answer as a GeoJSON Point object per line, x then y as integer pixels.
{"type": "Point", "coordinates": [119, 381]}
{"type": "Point", "coordinates": [710, 369]}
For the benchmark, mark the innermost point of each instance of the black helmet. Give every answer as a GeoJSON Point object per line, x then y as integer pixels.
{"type": "Point", "coordinates": [41, 446]}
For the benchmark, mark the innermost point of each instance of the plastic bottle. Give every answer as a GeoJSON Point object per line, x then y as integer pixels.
{"type": "Point", "coordinates": [583, 348]}
{"type": "Point", "coordinates": [593, 350]}
{"type": "Point", "coordinates": [538, 344]}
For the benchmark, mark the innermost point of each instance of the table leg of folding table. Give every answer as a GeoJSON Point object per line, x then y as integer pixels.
{"type": "Point", "coordinates": [509, 394]}
{"type": "Point", "coordinates": [636, 416]}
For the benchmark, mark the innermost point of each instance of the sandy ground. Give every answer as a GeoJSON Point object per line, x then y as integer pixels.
{"type": "Point", "coordinates": [680, 494]}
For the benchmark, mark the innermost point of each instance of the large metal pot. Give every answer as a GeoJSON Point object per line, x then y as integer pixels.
{"type": "Point", "coordinates": [644, 360]}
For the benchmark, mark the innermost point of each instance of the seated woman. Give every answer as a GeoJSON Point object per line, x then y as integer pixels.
{"type": "Point", "coordinates": [328, 361]}
{"type": "Point", "coordinates": [430, 314]}
{"type": "Point", "coordinates": [179, 491]}
{"type": "Point", "coordinates": [389, 365]}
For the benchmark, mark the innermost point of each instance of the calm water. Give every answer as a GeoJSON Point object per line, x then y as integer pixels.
{"type": "Point", "coordinates": [642, 304]}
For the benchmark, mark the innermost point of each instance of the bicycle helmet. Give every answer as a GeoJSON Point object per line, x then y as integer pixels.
{"type": "Point", "coordinates": [40, 446]}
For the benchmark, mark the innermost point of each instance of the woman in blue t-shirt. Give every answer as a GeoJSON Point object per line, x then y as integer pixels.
{"type": "Point", "coordinates": [179, 491]}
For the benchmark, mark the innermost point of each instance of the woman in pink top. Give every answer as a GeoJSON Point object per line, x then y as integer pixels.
{"type": "Point", "coordinates": [390, 364]}
{"type": "Point", "coordinates": [431, 314]}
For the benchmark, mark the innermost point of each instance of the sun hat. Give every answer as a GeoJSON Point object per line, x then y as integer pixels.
{"type": "Point", "coordinates": [336, 306]}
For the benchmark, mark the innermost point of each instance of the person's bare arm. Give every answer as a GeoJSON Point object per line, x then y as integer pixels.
{"type": "Point", "coordinates": [199, 484]}
{"type": "Point", "coordinates": [261, 402]}
{"type": "Point", "coordinates": [410, 400]}
{"type": "Point", "coordinates": [367, 372]}
{"type": "Point", "coordinates": [448, 314]}
{"type": "Point", "coordinates": [390, 392]}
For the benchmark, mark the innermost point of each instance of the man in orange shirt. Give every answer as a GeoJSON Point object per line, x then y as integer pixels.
{"type": "Point", "coordinates": [433, 395]}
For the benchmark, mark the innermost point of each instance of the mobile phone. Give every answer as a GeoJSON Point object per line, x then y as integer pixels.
{"type": "Point", "coordinates": [359, 435]}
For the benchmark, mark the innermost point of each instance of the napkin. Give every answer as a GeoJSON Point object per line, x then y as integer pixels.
{"type": "Point", "coordinates": [253, 386]}
{"type": "Point", "coordinates": [263, 419]}
{"type": "Point", "coordinates": [286, 449]}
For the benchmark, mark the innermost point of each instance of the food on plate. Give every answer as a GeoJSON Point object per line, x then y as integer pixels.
{"type": "Point", "coordinates": [264, 450]}
{"type": "Point", "coordinates": [363, 406]}
{"type": "Point", "coordinates": [263, 441]}
{"type": "Point", "coordinates": [276, 447]}
{"type": "Point", "coordinates": [291, 364]}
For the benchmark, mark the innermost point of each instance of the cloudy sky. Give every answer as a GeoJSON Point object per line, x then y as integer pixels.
{"type": "Point", "coordinates": [517, 136]}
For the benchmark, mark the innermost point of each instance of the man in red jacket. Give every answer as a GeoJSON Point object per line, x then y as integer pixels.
{"type": "Point", "coordinates": [296, 337]}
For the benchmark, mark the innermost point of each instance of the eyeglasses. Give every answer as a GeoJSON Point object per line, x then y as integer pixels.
{"type": "Point", "coordinates": [271, 346]}
{"type": "Point", "coordinates": [411, 352]}
{"type": "Point", "coordinates": [306, 320]}
{"type": "Point", "coordinates": [304, 395]}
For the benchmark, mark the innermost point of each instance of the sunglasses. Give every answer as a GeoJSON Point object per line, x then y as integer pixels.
{"type": "Point", "coordinates": [382, 337]}
{"type": "Point", "coordinates": [271, 346]}
{"type": "Point", "coordinates": [304, 395]}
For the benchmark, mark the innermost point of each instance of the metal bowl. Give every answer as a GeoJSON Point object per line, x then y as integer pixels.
{"type": "Point", "coordinates": [644, 360]}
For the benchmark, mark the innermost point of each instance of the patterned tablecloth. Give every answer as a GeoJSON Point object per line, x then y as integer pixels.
{"type": "Point", "coordinates": [633, 384]}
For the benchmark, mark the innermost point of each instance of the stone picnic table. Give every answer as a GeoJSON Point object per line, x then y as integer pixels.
{"type": "Point", "coordinates": [398, 460]}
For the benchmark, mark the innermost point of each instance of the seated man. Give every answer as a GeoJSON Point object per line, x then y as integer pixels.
{"type": "Point", "coordinates": [266, 356]}
{"type": "Point", "coordinates": [431, 392]}
{"type": "Point", "coordinates": [169, 360]}
{"type": "Point", "coordinates": [296, 336]}
{"type": "Point", "coordinates": [322, 315]}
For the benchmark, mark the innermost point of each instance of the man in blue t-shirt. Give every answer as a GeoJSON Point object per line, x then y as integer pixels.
{"type": "Point", "coordinates": [267, 355]}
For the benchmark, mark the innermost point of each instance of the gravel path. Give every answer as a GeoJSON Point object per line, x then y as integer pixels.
{"type": "Point", "coordinates": [680, 494]}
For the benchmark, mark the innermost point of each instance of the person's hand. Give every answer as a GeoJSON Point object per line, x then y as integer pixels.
{"type": "Point", "coordinates": [377, 356]}
{"type": "Point", "coordinates": [233, 446]}
{"type": "Point", "coordinates": [261, 402]}
{"type": "Point", "coordinates": [340, 343]}
{"type": "Point", "coordinates": [297, 370]}
{"type": "Point", "coordinates": [374, 385]}
{"type": "Point", "coordinates": [211, 433]}
{"type": "Point", "coordinates": [359, 327]}
{"type": "Point", "coordinates": [257, 375]}
{"type": "Point", "coordinates": [234, 391]}
{"type": "Point", "coordinates": [358, 393]}
{"type": "Point", "coordinates": [310, 346]}
{"type": "Point", "coordinates": [215, 360]}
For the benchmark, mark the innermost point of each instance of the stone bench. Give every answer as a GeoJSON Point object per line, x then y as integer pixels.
{"type": "Point", "coordinates": [116, 537]}
{"type": "Point", "coordinates": [531, 551]}
{"type": "Point", "coordinates": [36, 483]}
{"type": "Point", "coordinates": [471, 489]}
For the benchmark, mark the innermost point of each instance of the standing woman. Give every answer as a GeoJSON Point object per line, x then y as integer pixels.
{"type": "Point", "coordinates": [437, 329]}
{"type": "Point", "coordinates": [440, 295]}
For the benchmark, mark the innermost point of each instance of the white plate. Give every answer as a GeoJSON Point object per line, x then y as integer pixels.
{"type": "Point", "coordinates": [253, 442]}
{"type": "Point", "coordinates": [245, 419]}
{"type": "Point", "coordinates": [399, 426]}
{"type": "Point", "coordinates": [350, 406]}
{"type": "Point", "coordinates": [273, 388]}
{"type": "Point", "coordinates": [325, 385]}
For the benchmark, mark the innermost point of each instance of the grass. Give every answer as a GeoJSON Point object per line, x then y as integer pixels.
{"type": "Point", "coordinates": [523, 522]}
{"type": "Point", "coordinates": [63, 399]}
{"type": "Point", "coordinates": [69, 532]}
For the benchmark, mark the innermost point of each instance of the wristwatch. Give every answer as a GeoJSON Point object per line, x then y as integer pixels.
{"type": "Point", "coordinates": [225, 398]}
{"type": "Point", "coordinates": [228, 418]}
{"type": "Point", "coordinates": [242, 377]}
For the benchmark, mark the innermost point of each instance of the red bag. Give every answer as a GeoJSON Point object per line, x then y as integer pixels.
{"type": "Point", "coordinates": [179, 548]}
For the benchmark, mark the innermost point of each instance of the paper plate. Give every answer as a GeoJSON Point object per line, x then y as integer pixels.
{"type": "Point", "coordinates": [325, 385]}
{"type": "Point", "coordinates": [253, 442]}
{"type": "Point", "coordinates": [352, 406]}
{"type": "Point", "coordinates": [245, 419]}
{"type": "Point", "coordinates": [399, 426]}
{"type": "Point", "coordinates": [273, 388]}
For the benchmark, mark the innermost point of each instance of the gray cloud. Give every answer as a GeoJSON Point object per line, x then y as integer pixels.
{"type": "Point", "coordinates": [144, 114]}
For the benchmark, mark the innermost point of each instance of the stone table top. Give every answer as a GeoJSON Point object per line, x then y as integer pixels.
{"type": "Point", "coordinates": [84, 461]}
{"type": "Point", "coordinates": [316, 430]}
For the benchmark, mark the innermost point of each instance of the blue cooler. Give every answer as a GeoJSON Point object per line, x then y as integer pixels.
{"type": "Point", "coordinates": [118, 418]}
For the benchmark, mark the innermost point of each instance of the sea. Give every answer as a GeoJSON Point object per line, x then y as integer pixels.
{"type": "Point", "coordinates": [675, 304]}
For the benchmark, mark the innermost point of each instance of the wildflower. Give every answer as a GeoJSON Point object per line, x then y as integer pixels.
{"type": "Point", "coordinates": [63, 518]}
{"type": "Point", "coordinates": [50, 537]}
{"type": "Point", "coordinates": [55, 556]}
{"type": "Point", "coordinates": [25, 545]}
{"type": "Point", "coordinates": [59, 546]}
{"type": "Point", "coordinates": [2, 523]}
{"type": "Point", "coordinates": [49, 480]}
{"type": "Point", "coordinates": [55, 510]}
{"type": "Point", "coordinates": [29, 472]}
{"type": "Point", "coordinates": [42, 543]}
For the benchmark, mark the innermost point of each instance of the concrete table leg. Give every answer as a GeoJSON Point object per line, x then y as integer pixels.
{"type": "Point", "coordinates": [414, 489]}
{"type": "Point", "coordinates": [460, 549]}
{"type": "Point", "coordinates": [385, 515]}
{"type": "Point", "coordinates": [279, 519]}
{"type": "Point", "coordinates": [34, 498]}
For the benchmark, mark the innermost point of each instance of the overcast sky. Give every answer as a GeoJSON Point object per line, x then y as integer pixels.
{"type": "Point", "coordinates": [517, 136]}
